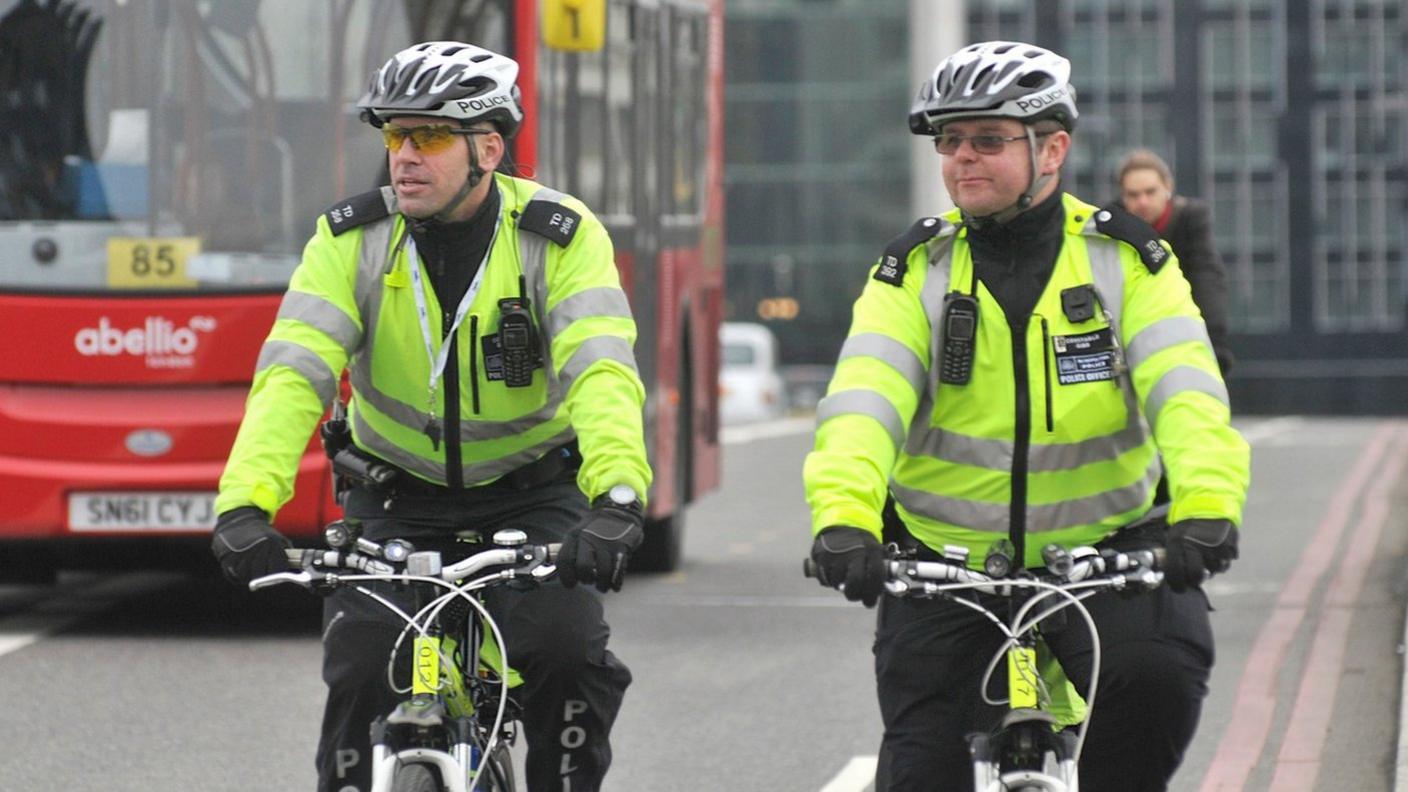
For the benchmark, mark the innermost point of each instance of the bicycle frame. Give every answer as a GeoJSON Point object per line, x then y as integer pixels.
{"type": "Point", "coordinates": [437, 724]}
{"type": "Point", "coordinates": [1028, 751]}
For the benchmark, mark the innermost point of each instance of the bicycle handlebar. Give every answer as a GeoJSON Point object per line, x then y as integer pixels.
{"type": "Point", "coordinates": [1119, 568]}
{"type": "Point", "coordinates": [537, 561]}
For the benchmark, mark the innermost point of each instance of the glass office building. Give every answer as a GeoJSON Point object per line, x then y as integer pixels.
{"type": "Point", "coordinates": [1291, 119]}
{"type": "Point", "coordinates": [814, 189]}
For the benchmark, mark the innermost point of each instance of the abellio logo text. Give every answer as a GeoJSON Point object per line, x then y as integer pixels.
{"type": "Point", "coordinates": [158, 340]}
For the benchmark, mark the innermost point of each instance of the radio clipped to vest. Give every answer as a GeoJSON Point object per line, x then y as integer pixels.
{"type": "Point", "coordinates": [960, 325]}
{"type": "Point", "coordinates": [517, 339]}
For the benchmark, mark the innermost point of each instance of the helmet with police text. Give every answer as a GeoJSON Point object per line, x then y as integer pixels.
{"type": "Point", "coordinates": [448, 79]}
{"type": "Point", "coordinates": [1004, 79]}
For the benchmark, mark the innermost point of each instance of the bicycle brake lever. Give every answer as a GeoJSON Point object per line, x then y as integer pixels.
{"type": "Point", "coordinates": [304, 578]}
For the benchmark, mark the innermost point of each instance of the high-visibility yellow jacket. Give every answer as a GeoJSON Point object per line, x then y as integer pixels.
{"type": "Point", "coordinates": [1062, 446]}
{"type": "Point", "coordinates": [350, 304]}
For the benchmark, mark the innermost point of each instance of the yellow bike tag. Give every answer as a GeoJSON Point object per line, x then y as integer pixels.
{"type": "Point", "coordinates": [1022, 677]}
{"type": "Point", "coordinates": [150, 262]}
{"type": "Point", "coordinates": [426, 678]}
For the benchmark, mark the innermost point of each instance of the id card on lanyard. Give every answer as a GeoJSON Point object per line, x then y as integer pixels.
{"type": "Point", "coordinates": [437, 362]}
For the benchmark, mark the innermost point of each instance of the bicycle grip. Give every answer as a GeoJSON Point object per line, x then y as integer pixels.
{"type": "Point", "coordinates": [809, 568]}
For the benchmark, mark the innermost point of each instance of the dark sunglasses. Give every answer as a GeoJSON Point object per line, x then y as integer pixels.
{"type": "Point", "coordinates": [948, 144]}
{"type": "Point", "coordinates": [430, 138]}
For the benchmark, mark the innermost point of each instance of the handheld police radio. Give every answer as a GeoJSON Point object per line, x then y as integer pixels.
{"type": "Point", "coordinates": [516, 338]}
{"type": "Point", "coordinates": [960, 324]}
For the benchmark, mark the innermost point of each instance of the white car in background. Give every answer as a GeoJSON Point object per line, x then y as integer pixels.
{"type": "Point", "coordinates": [750, 388]}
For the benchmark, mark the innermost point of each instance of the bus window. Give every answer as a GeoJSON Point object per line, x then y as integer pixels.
{"type": "Point", "coordinates": [212, 134]}
{"type": "Point", "coordinates": [688, 114]}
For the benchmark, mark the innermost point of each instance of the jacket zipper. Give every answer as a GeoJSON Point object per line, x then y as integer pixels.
{"type": "Point", "coordinates": [1017, 520]}
{"type": "Point", "coordinates": [454, 472]}
{"type": "Point", "coordinates": [474, 361]}
{"type": "Point", "coordinates": [1046, 366]}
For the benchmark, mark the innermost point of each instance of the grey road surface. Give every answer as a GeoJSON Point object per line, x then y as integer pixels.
{"type": "Point", "coordinates": [747, 676]}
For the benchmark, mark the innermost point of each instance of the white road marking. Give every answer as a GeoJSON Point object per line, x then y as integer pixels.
{"type": "Point", "coordinates": [70, 604]}
{"type": "Point", "coordinates": [856, 776]}
{"type": "Point", "coordinates": [1262, 431]}
{"type": "Point", "coordinates": [747, 433]}
{"type": "Point", "coordinates": [1400, 776]}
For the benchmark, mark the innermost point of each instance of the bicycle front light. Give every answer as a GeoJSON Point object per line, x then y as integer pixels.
{"type": "Point", "coordinates": [1058, 560]}
{"type": "Point", "coordinates": [999, 561]}
{"type": "Point", "coordinates": [338, 535]}
{"type": "Point", "coordinates": [397, 551]}
{"type": "Point", "coordinates": [510, 537]}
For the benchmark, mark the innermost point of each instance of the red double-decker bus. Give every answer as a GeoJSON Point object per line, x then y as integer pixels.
{"type": "Point", "coordinates": [162, 164]}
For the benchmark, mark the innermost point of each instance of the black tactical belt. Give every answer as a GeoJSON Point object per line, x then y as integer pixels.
{"type": "Point", "coordinates": [546, 469]}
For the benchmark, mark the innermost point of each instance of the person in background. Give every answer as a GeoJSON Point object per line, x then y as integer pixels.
{"type": "Point", "coordinates": [1146, 191]}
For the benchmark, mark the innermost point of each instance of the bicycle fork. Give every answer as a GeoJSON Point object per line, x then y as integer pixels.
{"type": "Point", "coordinates": [1026, 752]}
{"type": "Point", "coordinates": [437, 695]}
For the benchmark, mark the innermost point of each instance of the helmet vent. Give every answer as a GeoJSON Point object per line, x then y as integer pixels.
{"type": "Point", "coordinates": [1036, 80]}
{"type": "Point", "coordinates": [481, 58]}
{"type": "Point", "coordinates": [451, 51]}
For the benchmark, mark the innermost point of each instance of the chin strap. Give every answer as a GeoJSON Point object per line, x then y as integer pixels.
{"type": "Point", "coordinates": [1024, 202]}
{"type": "Point", "coordinates": [476, 175]}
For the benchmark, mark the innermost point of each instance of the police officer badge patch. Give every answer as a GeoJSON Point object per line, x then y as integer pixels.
{"type": "Point", "coordinates": [1087, 357]}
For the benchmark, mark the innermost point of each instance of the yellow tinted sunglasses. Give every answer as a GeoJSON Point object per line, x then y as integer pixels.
{"type": "Point", "coordinates": [430, 138]}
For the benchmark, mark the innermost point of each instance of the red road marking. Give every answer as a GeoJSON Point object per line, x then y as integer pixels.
{"type": "Point", "coordinates": [1298, 763]}
{"type": "Point", "coordinates": [1255, 706]}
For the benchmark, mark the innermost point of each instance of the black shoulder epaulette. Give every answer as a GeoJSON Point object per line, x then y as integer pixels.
{"type": "Point", "coordinates": [356, 211]}
{"type": "Point", "coordinates": [895, 262]}
{"type": "Point", "coordinates": [550, 219]}
{"type": "Point", "coordinates": [1116, 222]}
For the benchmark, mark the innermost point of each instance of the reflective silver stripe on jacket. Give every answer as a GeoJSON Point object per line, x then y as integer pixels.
{"type": "Point", "coordinates": [470, 430]}
{"type": "Point", "coordinates": [435, 471]}
{"type": "Point", "coordinates": [862, 402]}
{"type": "Point", "coordinates": [302, 360]}
{"type": "Point", "coordinates": [982, 452]}
{"type": "Point", "coordinates": [533, 258]}
{"type": "Point", "coordinates": [596, 302]}
{"type": "Point", "coordinates": [1108, 273]}
{"type": "Point", "coordinates": [932, 298]}
{"type": "Point", "coordinates": [321, 315]}
{"type": "Point", "coordinates": [889, 351]}
{"type": "Point", "coordinates": [995, 517]}
{"type": "Point", "coordinates": [596, 348]}
{"type": "Point", "coordinates": [375, 258]}
{"type": "Point", "coordinates": [1163, 334]}
{"type": "Point", "coordinates": [1180, 379]}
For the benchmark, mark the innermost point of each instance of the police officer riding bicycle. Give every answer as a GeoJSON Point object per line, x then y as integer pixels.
{"type": "Point", "coordinates": [1014, 370]}
{"type": "Point", "coordinates": [489, 347]}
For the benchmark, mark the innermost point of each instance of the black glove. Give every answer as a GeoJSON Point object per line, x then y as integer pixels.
{"type": "Point", "coordinates": [853, 557]}
{"type": "Point", "coordinates": [596, 550]}
{"type": "Point", "coordinates": [247, 546]}
{"type": "Point", "coordinates": [1197, 550]}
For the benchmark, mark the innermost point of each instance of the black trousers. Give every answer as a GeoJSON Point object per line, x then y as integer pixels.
{"type": "Point", "coordinates": [1156, 654]}
{"type": "Point", "coordinates": [572, 684]}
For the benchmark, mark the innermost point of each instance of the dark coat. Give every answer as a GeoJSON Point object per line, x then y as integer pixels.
{"type": "Point", "coordinates": [1189, 233]}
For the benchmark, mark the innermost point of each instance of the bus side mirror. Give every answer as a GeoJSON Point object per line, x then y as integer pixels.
{"type": "Point", "coordinates": [574, 25]}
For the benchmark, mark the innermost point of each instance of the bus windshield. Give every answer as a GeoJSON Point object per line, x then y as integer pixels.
{"type": "Point", "coordinates": [181, 145]}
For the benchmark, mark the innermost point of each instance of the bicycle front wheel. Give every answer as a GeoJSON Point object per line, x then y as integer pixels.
{"type": "Point", "coordinates": [415, 777]}
{"type": "Point", "coordinates": [499, 771]}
